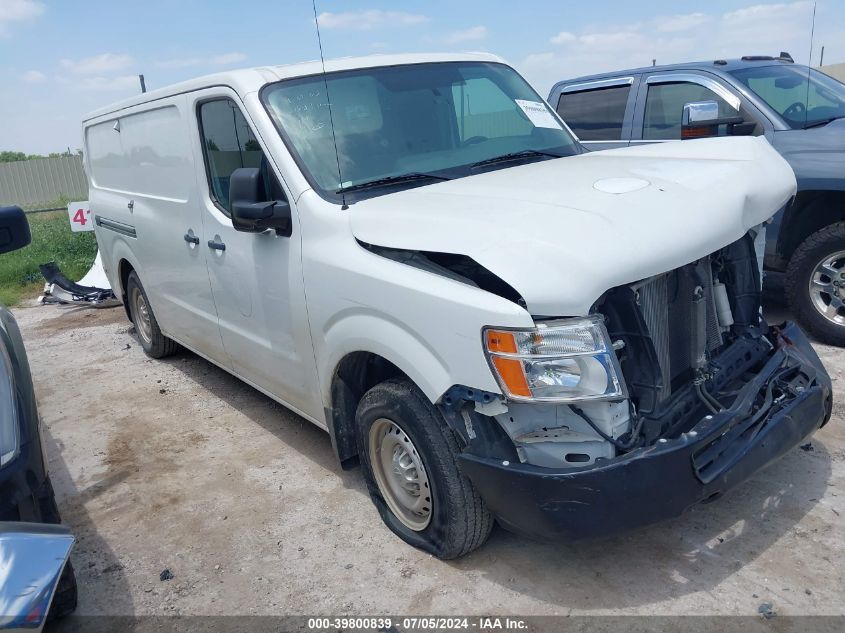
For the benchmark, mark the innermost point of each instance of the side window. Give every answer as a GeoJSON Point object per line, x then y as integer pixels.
{"type": "Point", "coordinates": [228, 143]}
{"type": "Point", "coordinates": [664, 109]}
{"type": "Point", "coordinates": [595, 115]}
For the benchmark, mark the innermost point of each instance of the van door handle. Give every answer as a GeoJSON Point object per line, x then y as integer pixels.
{"type": "Point", "coordinates": [217, 246]}
{"type": "Point", "coordinates": [191, 239]}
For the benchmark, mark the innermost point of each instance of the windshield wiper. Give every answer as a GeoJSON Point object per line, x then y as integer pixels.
{"type": "Point", "coordinates": [821, 122]}
{"type": "Point", "coordinates": [391, 180]}
{"type": "Point", "coordinates": [526, 153]}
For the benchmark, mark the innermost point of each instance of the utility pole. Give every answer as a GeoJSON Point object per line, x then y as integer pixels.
{"type": "Point", "coordinates": [821, 58]}
{"type": "Point", "coordinates": [143, 84]}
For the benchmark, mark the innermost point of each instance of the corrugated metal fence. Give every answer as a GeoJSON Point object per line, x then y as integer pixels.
{"type": "Point", "coordinates": [41, 182]}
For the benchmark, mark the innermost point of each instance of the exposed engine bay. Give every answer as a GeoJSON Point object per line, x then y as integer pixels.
{"type": "Point", "coordinates": [686, 341]}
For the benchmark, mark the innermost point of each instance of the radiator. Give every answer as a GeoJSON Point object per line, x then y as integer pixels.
{"type": "Point", "coordinates": [681, 328]}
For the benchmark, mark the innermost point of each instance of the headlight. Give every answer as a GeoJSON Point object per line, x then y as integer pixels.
{"type": "Point", "coordinates": [9, 433]}
{"type": "Point", "coordinates": [561, 361]}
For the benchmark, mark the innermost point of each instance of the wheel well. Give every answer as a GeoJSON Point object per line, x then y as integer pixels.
{"type": "Point", "coordinates": [811, 211]}
{"type": "Point", "coordinates": [355, 374]}
{"type": "Point", "coordinates": [123, 270]}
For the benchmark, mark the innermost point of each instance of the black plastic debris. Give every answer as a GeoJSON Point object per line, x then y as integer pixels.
{"type": "Point", "coordinates": [165, 575]}
{"type": "Point", "coordinates": [766, 610]}
{"type": "Point", "coordinates": [53, 275]}
{"type": "Point", "coordinates": [808, 447]}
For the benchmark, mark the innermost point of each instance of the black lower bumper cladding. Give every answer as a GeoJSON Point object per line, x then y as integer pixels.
{"type": "Point", "coordinates": [662, 481]}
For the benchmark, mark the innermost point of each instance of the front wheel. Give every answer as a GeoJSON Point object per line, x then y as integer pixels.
{"type": "Point", "coordinates": [815, 284]}
{"type": "Point", "coordinates": [410, 461]}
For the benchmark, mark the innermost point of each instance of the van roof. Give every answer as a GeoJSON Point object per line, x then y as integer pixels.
{"type": "Point", "coordinates": [251, 79]}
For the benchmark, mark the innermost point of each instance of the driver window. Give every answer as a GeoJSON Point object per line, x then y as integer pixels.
{"type": "Point", "coordinates": [229, 143]}
{"type": "Point", "coordinates": [664, 108]}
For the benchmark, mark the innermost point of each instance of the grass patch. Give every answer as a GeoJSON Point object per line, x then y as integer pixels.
{"type": "Point", "coordinates": [52, 240]}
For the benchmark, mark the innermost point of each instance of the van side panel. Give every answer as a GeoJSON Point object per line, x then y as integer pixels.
{"type": "Point", "coordinates": [143, 193]}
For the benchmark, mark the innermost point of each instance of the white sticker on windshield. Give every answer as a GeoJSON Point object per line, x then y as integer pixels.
{"type": "Point", "coordinates": [538, 114]}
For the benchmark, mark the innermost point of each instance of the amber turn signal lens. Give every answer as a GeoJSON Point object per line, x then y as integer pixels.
{"type": "Point", "coordinates": [510, 371]}
{"type": "Point", "coordinates": [501, 342]}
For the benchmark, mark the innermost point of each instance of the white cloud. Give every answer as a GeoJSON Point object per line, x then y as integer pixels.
{"type": "Point", "coordinates": [124, 83]}
{"type": "Point", "coordinates": [564, 37]}
{"type": "Point", "coordinates": [104, 63]}
{"type": "Point", "coordinates": [759, 29]}
{"type": "Point", "coordinates": [18, 11]}
{"type": "Point", "coordinates": [227, 58]}
{"type": "Point", "coordinates": [217, 60]}
{"type": "Point", "coordinates": [33, 77]}
{"type": "Point", "coordinates": [472, 34]}
{"type": "Point", "coordinates": [676, 23]}
{"type": "Point", "coordinates": [369, 19]}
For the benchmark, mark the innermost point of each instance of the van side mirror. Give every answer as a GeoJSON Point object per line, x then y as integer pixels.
{"type": "Point", "coordinates": [701, 119]}
{"type": "Point", "coordinates": [14, 229]}
{"type": "Point", "coordinates": [251, 211]}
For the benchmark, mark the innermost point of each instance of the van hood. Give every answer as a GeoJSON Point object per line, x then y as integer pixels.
{"type": "Point", "coordinates": [563, 231]}
{"type": "Point", "coordinates": [817, 155]}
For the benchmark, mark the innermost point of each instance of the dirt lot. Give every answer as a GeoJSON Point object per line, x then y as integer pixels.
{"type": "Point", "coordinates": [177, 465]}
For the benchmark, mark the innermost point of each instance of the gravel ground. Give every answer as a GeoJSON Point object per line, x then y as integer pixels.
{"type": "Point", "coordinates": [177, 465]}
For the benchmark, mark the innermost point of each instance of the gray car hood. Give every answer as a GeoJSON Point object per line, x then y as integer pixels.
{"type": "Point", "coordinates": [816, 155]}
{"type": "Point", "coordinates": [563, 231]}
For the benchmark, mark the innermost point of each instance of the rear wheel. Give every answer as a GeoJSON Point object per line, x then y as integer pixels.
{"type": "Point", "coordinates": [815, 284]}
{"type": "Point", "coordinates": [410, 461]}
{"type": "Point", "coordinates": [155, 344]}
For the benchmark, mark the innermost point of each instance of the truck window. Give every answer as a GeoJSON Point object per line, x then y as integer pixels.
{"type": "Point", "coordinates": [595, 115]}
{"type": "Point", "coordinates": [228, 143]}
{"type": "Point", "coordinates": [665, 103]}
{"type": "Point", "coordinates": [786, 90]}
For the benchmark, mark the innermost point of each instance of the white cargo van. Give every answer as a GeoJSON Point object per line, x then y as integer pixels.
{"type": "Point", "coordinates": [414, 253]}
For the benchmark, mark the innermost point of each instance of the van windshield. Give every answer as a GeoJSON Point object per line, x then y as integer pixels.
{"type": "Point", "coordinates": [786, 90]}
{"type": "Point", "coordinates": [411, 125]}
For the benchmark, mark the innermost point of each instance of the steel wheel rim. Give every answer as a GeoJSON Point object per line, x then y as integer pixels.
{"type": "Point", "coordinates": [143, 323]}
{"type": "Point", "coordinates": [827, 288]}
{"type": "Point", "coordinates": [400, 474]}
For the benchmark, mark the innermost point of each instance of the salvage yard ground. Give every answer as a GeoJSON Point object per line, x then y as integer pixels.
{"type": "Point", "coordinates": [176, 465]}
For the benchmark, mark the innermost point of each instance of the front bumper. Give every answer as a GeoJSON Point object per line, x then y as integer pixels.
{"type": "Point", "coordinates": [664, 480]}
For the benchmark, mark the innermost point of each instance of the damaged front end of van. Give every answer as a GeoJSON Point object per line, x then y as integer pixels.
{"type": "Point", "coordinates": [650, 380]}
{"type": "Point", "coordinates": [677, 390]}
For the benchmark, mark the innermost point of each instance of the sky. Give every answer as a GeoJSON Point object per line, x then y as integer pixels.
{"type": "Point", "coordinates": [62, 58]}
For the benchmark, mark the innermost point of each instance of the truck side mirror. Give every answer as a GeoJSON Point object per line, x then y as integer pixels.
{"type": "Point", "coordinates": [14, 229]}
{"type": "Point", "coordinates": [701, 119]}
{"type": "Point", "coordinates": [251, 211]}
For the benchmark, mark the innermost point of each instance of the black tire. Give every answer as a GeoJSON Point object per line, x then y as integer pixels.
{"type": "Point", "coordinates": [155, 344]}
{"type": "Point", "coordinates": [813, 250]}
{"type": "Point", "coordinates": [459, 519]}
{"type": "Point", "coordinates": [64, 600]}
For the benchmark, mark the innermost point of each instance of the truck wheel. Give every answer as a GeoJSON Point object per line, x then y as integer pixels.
{"type": "Point", "coordinates": [815, 284]}
{"type": "Point", "coordinates": [155, 344]}
{"type": "Point", "coordinates": [410, 461]}
{"type": "Point", "coordinates": [64, 600]}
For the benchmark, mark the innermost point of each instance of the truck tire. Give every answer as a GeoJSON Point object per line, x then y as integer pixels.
{"type": "Point", "coordinates": [155, 344]}
{"type": "Point", "coordinates": [409, 457]}
{"type": "Point", "coordinates": [64, 600]}
{"type": "Point", "coordinates": [815, 284]}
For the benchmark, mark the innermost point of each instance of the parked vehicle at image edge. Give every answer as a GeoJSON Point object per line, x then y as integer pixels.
{"type": "Point", "coordinates": [802, 114]}
{"type": "Point", "coordinates": [36, 578]}
{"type": "Point", "coordinates": [495, 323]}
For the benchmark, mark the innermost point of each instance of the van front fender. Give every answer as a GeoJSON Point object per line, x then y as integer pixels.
{"type": "Point", "coordinates": [364, 330]}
